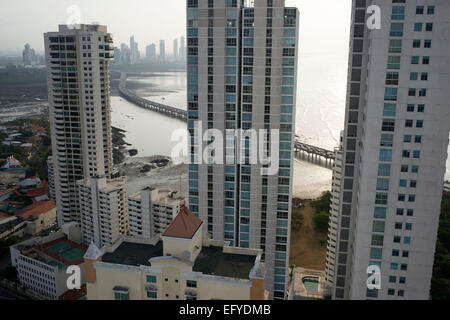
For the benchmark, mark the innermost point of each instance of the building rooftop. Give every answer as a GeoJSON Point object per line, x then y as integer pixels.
{"type": "Point", "coordinates": [36, 209]}
{"type": "Point", "coordinates": [60, 252]}
{"type": "Point", "coordinates": [185, 225]}
{"type": "Point", "coordinates": [134, 254]}
{"type": "Point", "coordinates": [213, 261]}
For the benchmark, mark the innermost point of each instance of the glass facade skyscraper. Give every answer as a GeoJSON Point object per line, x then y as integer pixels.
{"type": "Point", "coordinates": [242, 75]}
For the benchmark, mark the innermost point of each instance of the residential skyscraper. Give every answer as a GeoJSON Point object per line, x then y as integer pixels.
{"type": "Point", "coordinates": [182, 49]}
{"type": "Point", "coordinates": [79, 110]}
{"type": "Point", "coordinates": [242, 74]}
{"type": "Point", "coordinates": [134, 51]}
{"type": "Point", "coordinates": [162, 50]}
{"type": "Point", "coordinates": [175, 50]}
{"type": "Point", "coordinates": [151, 52]}
{"type": "Point", "coordinates": [394, 149]}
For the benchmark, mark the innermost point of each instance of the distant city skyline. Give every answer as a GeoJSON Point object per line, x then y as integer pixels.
{"type": "Point", "coordinates": [20, 23]}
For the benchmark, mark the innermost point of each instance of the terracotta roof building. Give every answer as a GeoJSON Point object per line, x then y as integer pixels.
{"type": "Point", "coordinates": [185, 225]}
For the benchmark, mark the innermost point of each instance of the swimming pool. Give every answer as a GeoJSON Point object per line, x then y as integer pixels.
{"type": "Point", "coordinates": [311, 284]}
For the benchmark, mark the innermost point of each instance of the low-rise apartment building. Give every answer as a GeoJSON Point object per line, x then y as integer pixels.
{"type": "Point", "coordinates": [103, 209]}
{"type": "Point", "coordinates": [151, 211]}
{"type": "Point", "coordinates": [42, 263]}
{"type": "Point", "coordinates": [182, 264]}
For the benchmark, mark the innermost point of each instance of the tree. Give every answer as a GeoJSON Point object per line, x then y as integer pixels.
{"type": "Point", "coordinates": [323, 203]}
{"type": "Point", "coordinates": [321, 221]}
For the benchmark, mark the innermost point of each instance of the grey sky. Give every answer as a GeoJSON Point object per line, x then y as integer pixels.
{"type": "Point", "coordinates": [324, 23]}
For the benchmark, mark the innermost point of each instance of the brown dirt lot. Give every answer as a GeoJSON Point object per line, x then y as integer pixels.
{"type": "Point", "coordinates": [306, 249]}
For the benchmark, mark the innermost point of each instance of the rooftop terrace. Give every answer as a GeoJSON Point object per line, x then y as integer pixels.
{"type": "Point", "coordinates": [134, 254]}
{"type": "Point", "coordinates": [213, 261]}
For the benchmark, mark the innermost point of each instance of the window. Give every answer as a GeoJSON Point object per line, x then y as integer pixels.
{"type": "Point", "coordinates": [414, 60]}
{"type": "Point", "coordinates": [416, 43]}
{"type": "Point", "coordinates": [390, 94]}
{"type": "Point", "coordinates": [405, 254]}
{"type": "Point", "coordinates": [392, 279]}
{"type": "Point", "coordinates": [381, 198]}
{"type": "Point", "coordinates": [378, 226]}
{"type": "Point", "coordinates": [426, 60]}
{"type": "Point", "coordinates": [151, 279]}
{"type": "Point", "coordinates": [394, 62]}
{"type": "Point", "coordinates": [418, 27]}
{"type": "Point", "coordinates": [410, 212]}
{"type": "Point", "coordinates": [398, 226]}
{"type": "Point", "coordinates": [385, 155]}
{"type": "Point", "coordinates": [191, 284]}
{"type": "Point", "coordinates": [388, 125]}
{"type": "Point", "coordinates": [410, 108]}
{"type": "Point", "coordinates": [395, 46]}
{"type": "Point", "coordinates": [389, 110]}
{"type": "Point", "coordinates": [380, 213]}
{"type": "Point", "coordinates": [429, 27]}
{"type": "Point", "coordinates": [419, 124]}
{"type": "Point", "coordinates": [412, 92]}
{"type": "Point", "coordinates": [413, 76]}
{"type": "Point", "coordinates": [392, 78]}
{"type": "Point", "coordinates": [387, 140]}
{"type": "Point", "coordinates": [398, 13]}
{"type": "Point", "coordinates": [430, 10]}
{"type": "Point", "coordinates": [403, 183]}
{"type": "Point", "coordinates": [415, 169]}
{"type": "Point", "coordinates": [420, 9]}
{"type": "Point", "coordinates": [376, 253]}
{"type": "Point", "coordinates": [401, 197]}
{"type": "Point", "coordinates": [424, 76]}
{"type": "Point", "coordinates": [383, 184]}
{"type": "Point", "coordinates": [395, 253]}
{"type": "Point", "coordinates": [409, 123]}
{"type": "Point", "coordinates": [416, 154]}
{"type": "Point", "coordinates": [408, 226]}
{"type": "Point", "coordinates": [421, 108]}
{"type": "Point", "coordinates": [411, 198]}
{"type": "Point", "coordinates": [400, 211]}
{"type": "Point", "coordinates": [422, 92]}
{"type": "Point", "coordinates": [152, 294]}
{"type": "Point", "coordinates": [427, 44]}
{"type": "Point", "coordinates": [377, 240]}
{"type": "Point", "coordinates": [404, 267]}
{"type": "Point", "coordinates": [418, 139]}
{"type": "Point", "coordinates": [396, 29]}
{"type": "Point", "coordinates": [394, 266]}
{"type": "Point", "coordinates": [404, 168]}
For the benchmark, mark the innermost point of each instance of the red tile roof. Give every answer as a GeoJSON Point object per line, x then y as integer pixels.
{"type": "Point", "coordinates": [39, 191]}
{"type": "Point", "coordinates": [185, 225]}
{"type": "Point", "coordinates": [2, 193]}
{"type": "Point", "coordinates": [36, 209]}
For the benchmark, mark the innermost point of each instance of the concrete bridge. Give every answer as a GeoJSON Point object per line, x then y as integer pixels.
{"type": "Point", "coordinates": [302, 150]}
{"type": "Point", "coordinates": [147, 104]}
{"type": "Point", "coordinates": [313, 154]}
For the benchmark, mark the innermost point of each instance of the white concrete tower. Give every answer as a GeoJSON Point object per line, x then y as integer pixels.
{"type": "Point", "coordinates": [80, 109]}
{"type": "Point", "coordinates": [395, 148]}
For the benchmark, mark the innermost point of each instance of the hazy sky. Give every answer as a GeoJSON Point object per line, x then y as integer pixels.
{"type": "Point", "coordinates": [324, 23]}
